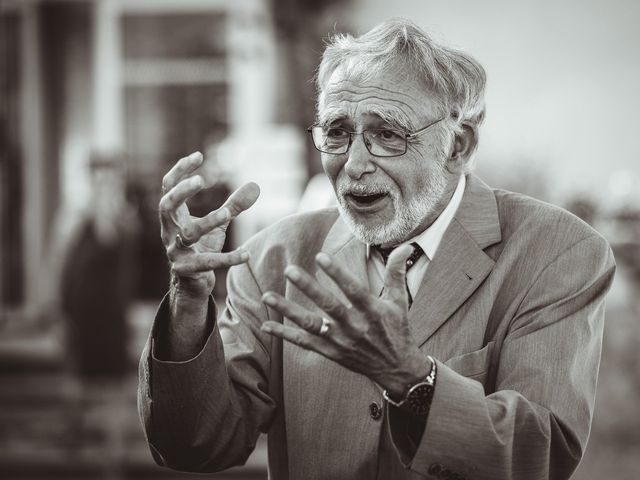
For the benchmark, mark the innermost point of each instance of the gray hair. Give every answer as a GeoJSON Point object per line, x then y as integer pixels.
{"type": "Point", "coordinates": [456, 79]}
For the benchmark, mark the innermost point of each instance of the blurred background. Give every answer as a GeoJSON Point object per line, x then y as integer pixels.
{"type": "Point", "coordinates": [99, 98]}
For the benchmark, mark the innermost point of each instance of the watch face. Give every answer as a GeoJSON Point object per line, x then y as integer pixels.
{"type": "Point", "coordinates": [419, 399]}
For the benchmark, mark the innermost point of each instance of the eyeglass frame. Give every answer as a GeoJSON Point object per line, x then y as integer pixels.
{"type": "Point", "coordinates": [407, 136]}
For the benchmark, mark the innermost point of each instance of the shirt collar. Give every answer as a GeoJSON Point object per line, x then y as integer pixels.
{"type": "Point", "coordinates": [430, 238]}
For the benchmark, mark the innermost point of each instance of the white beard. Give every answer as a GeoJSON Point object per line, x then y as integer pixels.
{"type": "Point", "coordinates": [408, 216]}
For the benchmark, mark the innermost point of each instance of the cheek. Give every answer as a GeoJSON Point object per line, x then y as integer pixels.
{"type": "Point", "coordinates": [406, 180]}
{"type": "Point", "coordinates": [424, 165]}
{"type": "Point", "coordinates": [331, 165]}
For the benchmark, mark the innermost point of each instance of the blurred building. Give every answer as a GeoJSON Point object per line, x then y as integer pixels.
{"type": "Point", "coordinates": [148, 82]}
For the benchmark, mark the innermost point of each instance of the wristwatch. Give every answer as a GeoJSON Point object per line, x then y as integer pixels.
{"type": "Point", "coordinates": [418, 399]}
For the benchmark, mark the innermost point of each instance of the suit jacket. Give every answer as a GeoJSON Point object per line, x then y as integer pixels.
{"type": "Point", "coordinates": [511, 308]}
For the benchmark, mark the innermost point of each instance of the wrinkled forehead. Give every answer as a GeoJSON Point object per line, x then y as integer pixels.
{"type": "Point", "coordinates": [391, 95]}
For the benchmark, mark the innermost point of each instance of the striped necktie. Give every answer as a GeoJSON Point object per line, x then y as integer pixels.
{"type": "Point", "coordinates": [413, 258]}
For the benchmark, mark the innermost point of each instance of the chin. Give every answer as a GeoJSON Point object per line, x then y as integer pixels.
{"type": "Point", "coordinates": [405, 221]}
{"type": "Point", "coordinates": [375, 232]}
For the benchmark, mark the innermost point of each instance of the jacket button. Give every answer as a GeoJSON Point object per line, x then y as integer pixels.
{"type": "Point", "coordinates": [375, 411]}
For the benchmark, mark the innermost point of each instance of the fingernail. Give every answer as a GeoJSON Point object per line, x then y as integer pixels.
{"type": "Point", "coordinates": [225, 214]}
{"type": "Point", "coordinates": [195, 155]}
{"type": "Point", "coordinates": [244, 255]}
{"type": "Point", "coordinates": [266, 328]}
{"type": "Point", "coordinates": [292, 273]}
{"type": "Point", "coordinates": [323, 259]}
{"type": "Point", "coordinates": [268, 299]}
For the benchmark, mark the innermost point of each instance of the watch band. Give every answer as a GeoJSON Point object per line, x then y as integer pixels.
{"type": "Point", "coordinates": [418, 398]}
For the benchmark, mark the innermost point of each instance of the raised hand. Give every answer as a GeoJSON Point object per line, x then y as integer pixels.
{"type": "Point", "coordinates": [370, 337]}
{"type": "Point", "coordinates": [194, 245]}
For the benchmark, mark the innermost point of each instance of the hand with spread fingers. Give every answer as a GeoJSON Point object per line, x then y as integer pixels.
{"type": "Point", "coordinates": [370, 337]}
{"type": "Point", "coordinates": [194, 245]}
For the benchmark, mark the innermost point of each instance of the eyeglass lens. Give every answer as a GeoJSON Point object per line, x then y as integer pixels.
{"type": "Point", "coordinates": [382, 142]}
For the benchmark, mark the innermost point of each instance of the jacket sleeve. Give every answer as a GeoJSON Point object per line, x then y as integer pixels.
{"type": "Point", "coordinates": [536, 423]}
{"type": "Point", "coordinates": [205, 414]}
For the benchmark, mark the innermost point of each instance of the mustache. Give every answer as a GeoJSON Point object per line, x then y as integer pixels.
{"type": "Point", "coordinates": [362, 189]}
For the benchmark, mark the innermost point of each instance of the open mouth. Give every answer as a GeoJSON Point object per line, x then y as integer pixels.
{"type": "Point", "coordinates": [366, 200]}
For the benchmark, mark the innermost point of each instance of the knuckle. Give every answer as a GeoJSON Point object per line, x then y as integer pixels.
{"type": "Point", "coordinates": [350, 289]}
{"type": "Point", "coordinates": [218, 217]}
{"type": "Point", "coordinates": [351, 338]}
{"type": "Point", "coordinates": [309, 323]}
{"type": "Point", "coordinates": [177, 268]}
{"type": "Point", "coordinates": [190, 232]}
{"type": "Point", "coordinates": [213, 261]}
{"type": "Point", "coordinates": [233, 207]}
{"type": "Point", "coordinates": [164, 206]}
{"type": "Point", "coordinates": [349, 344]}
{"type": "Point", "coordinates": [196, 232]}
{"type": "Point", "coordinates": [359, 330]}
{"type": "Point", "coordinates": [327, 304]}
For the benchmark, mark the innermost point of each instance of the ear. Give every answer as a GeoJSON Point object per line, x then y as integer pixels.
{"type": "Point", "coordinates": [464, 144]}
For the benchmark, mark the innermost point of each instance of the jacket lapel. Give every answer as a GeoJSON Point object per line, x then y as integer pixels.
{"type": "Point", "coordinates": [460, 265]}
{"type": "Point", "coordinates": [348, 251]}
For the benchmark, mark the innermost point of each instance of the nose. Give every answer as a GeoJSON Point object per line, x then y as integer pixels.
{"type": "Point", "coordinates": [358, 159]}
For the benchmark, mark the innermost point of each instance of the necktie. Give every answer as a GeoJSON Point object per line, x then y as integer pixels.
{"type": "Point", "coordinates": [417, 252]}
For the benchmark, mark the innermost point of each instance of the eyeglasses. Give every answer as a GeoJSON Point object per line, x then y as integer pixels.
{"type": "Point", "coordinates": [380, 142]}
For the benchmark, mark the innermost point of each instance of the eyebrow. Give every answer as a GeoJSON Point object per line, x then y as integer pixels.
{"type": "Point", "coordinates": [331, 114]}
{"type": "Point", "coordinates": [394, 117]}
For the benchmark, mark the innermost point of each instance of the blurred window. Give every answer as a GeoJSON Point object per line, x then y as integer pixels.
{"type": "Point", "coordinates": [174, 35]}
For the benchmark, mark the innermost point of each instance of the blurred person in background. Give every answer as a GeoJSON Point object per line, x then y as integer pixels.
{"type": "Point", "coordinates": [429, 326]}
{"type": "Point", "coordinates": [95, 269]}
{"type": "Point", "coordinates": [98, 272]}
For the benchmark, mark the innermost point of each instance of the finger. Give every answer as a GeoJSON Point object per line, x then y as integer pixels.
{"type": "Point", "coordinates": [182, 168]}
{"type": "Point", "coordinates": [204, 262]}
{"type": "Point", "coordinates": [201, 226]}
{"type": "Point", "coordinates": [242, 198]}
{"type": "Point", "coordinates": [174, 198]}
{"type": "Point", "coordinates": [353, 289]}
{"type": "Point", "coordinates": [324, 299]}
{"type": "Point", "coordinates": [395, 273]}
{"type": "Point", "coordinates": [294, 312]}
{"type": "Point", "coordinates": [295, 335]}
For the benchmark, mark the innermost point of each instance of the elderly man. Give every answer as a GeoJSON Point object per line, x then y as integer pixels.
{"type": "Point", "coordinates": [428, 327]}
